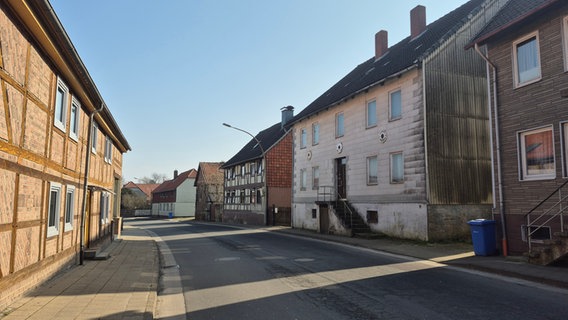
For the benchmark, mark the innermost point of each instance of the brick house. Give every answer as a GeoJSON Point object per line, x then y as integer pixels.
{"type": "Point", "coordinates": [61, 151]}
{"type": "Point", "coordinates": [398, 146]}
{"type": "Point", "coordinates": [209, 191]}
{"type": "Point", "coordinates": [176, 196]}
{"type": "Point", "coordinates": [527, 49]}
{"type": "Point", "coordinates": [259, 177]}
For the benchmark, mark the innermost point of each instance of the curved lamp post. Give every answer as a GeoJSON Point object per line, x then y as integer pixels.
{"type": "Point", "coordinates": [264, 187]}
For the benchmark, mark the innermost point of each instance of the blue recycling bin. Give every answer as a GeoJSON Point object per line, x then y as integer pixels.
{"type": "Point", "coordinates": [483, 236]}
{"type": "Point", "coordinates": [170, 215]}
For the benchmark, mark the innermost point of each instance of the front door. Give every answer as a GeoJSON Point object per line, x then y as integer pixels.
{"type": "Point", "coordinates": [324, 219]}
{"type": "Point", "coordinates": [341, 177]}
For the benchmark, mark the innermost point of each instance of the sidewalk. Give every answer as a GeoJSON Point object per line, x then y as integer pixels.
{"type": "Point", "coordinates": [121, 287]}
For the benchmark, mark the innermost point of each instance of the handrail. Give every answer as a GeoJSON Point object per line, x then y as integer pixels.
{"type": "Point", "coordinates": [536, 222]}
{"type": "Point", "coordinates": [338, 198]}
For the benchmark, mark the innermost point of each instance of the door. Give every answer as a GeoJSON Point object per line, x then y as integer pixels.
{"type": "Point", "coordinates": [324, 219]}
{"type": "Point", "coordinates": [341, 177]}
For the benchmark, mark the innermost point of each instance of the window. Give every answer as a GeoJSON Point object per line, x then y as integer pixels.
{"type": "Point", "coordinates": [372, 216]}
{"type": "Point", "coordinates": [372, 170]}
{"type": "Point", "coordinates": [258, 196]}
{"type": "Point", "coordinates": [397, 167]}
{"type": "Point", "coordinates": [74, 119]}
{"type": "Point", "coordinates": [54, 207]}
{"type": "Point", "coordinates": [315, 177]}
{"type": "Point", "coordinates": [303, 179]}
{"type": "Point", "coordinates": [105, 207]}
{"type": "Point", "coordinates": [69, 207]}
{"type": "Point", "coordinates": [252, 168]}
{"type": "Point", "coordinates": [61, 97]}
{"type": "Point", "coordinates": [94, 136]}
{"type": "Point", "coordinates": [315, 133]}
{"type": "Point", "coordinates": [371, 113]}
{"type": "Point", "coordinates": [395, 109]}
{"type": "Point", "coordinates": [526, 59]}
{"type": "Point", "coordinates": [242, 196]}
{"type": "Point", "coordinates": [564, 127]}
{"type": "Point", "coordinates": [303, 138]}
{"type": "Point", "coordinates": [565, 38]}
{"type": "Point", "coordinates": [339, 125]}
{"type": "Point", "coordinates": [537, 154]}
{"type": "Point", "coordinates": [108, 149]}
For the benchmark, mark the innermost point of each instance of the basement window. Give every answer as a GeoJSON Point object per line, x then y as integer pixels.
{"type": "Point", "coordinates": [538, 235]}
{"type": "Point", "coordinates": [372, 216]}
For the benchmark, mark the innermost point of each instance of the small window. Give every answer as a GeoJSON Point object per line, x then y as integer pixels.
{"type": "Point", "coordinates": [537, 154]}
{"type": "Point", "coordinates": [242, 196]}
{"type": "Point", "coordinates": [315, 133]}
{"type": "Point", "coordinates": [69, 207]}
{"type": "Point", "coordinates": [371, 113]}
{"type": "Point", "coordinates": [395, 109]}
{"type": "Point", "coordinates": [526, 57]}
{"type": "Point", "coordinates": [372, 216]}
{"type": "Point", "coordinates": [397, 167]}
{"type": "Point", "coordinates": [315, 178]}
{"type": "Point", "coordinates": [105, 207]}
{"type": "Point", "coordinates": [303, 179]}
{"type": "Point", "coordinates": [74, 119]}
{"type": "Point", "coordinates": [54, 209]}
{"type": "Point", "coordinates": [314, 213]}
{"type": "Point", "coordinates": [339, 125]}
{"type": "Point", "coordinates": [94, 137]}
{"type": "Point", "coordinates": [372, 170]}
{"type": "Point", "coordinates": [258, 196]}
{"type": "Point", "coordinates": [108, 150]}
{"type": "Point", "coordinates": [303, 138]}
{"type": "Point", "coordinates": [61, 97]}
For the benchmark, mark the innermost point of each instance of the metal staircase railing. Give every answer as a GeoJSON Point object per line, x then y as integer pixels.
{"type": "Point", "coordinates": [329, 194]}
{"type": "Point", "coordinates": [557, 209]}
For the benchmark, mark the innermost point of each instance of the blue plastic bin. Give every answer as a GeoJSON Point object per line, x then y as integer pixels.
{"type": "Point", "coordinates": [483, 236]}
{"type": "Point", "coordinates": [171, 214]}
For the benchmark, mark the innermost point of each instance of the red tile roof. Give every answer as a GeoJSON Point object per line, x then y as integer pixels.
{"type": "Point", "coordinates": [171, 185]}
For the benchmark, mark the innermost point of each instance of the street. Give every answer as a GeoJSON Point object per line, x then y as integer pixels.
{"type": "Point", "coordinates": [234, 273]}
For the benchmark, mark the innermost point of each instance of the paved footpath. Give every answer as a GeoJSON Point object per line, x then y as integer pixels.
{"type": "Point", "coordinates": [122, 287]}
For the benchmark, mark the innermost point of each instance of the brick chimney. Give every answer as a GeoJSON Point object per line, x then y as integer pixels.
{"type": "Point", "coordinates": [381, 43]}
{"type": "Point", "coordinates": [287, 114]}
{"type": "Point", "coordinates": [175, 174]}
{"type": "Point", "coordinates": [417, 21]}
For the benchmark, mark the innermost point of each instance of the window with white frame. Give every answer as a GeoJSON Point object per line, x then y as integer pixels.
{"type": "Point", "coordinates": [108, 149]}
{"type": "Point", "coordinates": [395, 102]}
{"type": "Point", "coordinates": [105, 207]}
{"type": "Point", "coordinates": [339, 125]}
{"type": "Point", "coordinates": [315, 133]}
{"type": "Point", "coordinates": [315, 177]}
{"type": "Point", "coordinates": [397, 167]}
{"type": "Point", "coordinates": [372, 170]}
{"type": "Point", "coordinates": [94, 137]}
{"type": "Point", "coordinates": [69, 207]}
{"type": "Point", "coordinates": [537, 154]}
{"type": "Point", "coordinates": [303, 179]}
{"type": "Point", "coordinates": [564, 127]}
{"type": "Point", "coordinates": [303, 138]}
{"type": "Point", "coordinates": [371, 113]}
{"type": "Point", "coordinates": [54, 209]}
{"type": "Point", "coordinates": [61, 97]}
{"type": "Point", "coordinates": [74, 119]}
{"type": "Point", "coordinates": [565, 40]}
{"type": "Point", "coordinates": [526, 60]}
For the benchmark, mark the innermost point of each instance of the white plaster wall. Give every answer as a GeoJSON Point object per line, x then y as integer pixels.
{"type": "Point", "coordinates": [185, 199]}
{"type": "Point", "coordinates": [400, 220]}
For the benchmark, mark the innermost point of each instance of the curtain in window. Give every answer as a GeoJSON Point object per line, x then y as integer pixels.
{"type": "Point", "coordinates": [396, 105]}
{"type": "Point", "coordinates": [397, 168]}
{"type": "Point", "coordinates": [371, 113]}
{"type": "Point", "coordinates": [527, 60]}
{"type": "Point", "coordinates": [539, 153]}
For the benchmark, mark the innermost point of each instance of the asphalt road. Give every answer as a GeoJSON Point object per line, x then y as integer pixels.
{"type": "Point", "coordinates": [232, 273]}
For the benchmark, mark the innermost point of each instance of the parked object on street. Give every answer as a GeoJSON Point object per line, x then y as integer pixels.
{"type": "Point", "coordinates": [483, 236]}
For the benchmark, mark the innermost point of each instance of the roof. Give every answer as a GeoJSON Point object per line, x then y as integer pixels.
{"type": "Point", "coordinates": [399, 58]}
{"type": "Point", "coordinates": [147, 188]}
{"type": "Point", "coordinates": [172, 185]}
{"type": "Point", "coordinates": [513, 13]}
{"type": "Point", "coordinates": [210, 172]}
{"type": "Point", "coordinates": [267, 138]}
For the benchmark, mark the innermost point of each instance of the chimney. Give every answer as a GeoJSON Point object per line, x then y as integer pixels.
{"type": "Point", "coordinates": [381, 43]}
{"type": "Point", "coordinates": [417, 21]}
{"type": "Point", "coordinates": [287, 114]}
{"type": "Point", "coordinates": [175, 174]}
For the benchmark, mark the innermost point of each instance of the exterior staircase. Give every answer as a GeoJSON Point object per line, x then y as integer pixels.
{"type": "Point", "coordinates": [349, 217]}
{"type": "Point", "coordinates": [551, 250]}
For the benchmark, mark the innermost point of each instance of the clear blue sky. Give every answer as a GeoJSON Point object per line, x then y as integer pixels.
{"type": "Point", "coordinates": [172, 72]}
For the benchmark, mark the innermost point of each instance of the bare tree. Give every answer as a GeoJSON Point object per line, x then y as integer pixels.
{"type": "Point", "coordinates": [154, 178]}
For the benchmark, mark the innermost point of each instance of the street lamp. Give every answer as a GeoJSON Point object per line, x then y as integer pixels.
{"type": "Point", "coordinates": [265, 167]}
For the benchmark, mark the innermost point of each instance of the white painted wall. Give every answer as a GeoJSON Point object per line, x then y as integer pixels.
{"type": "Point", "coordinates": [185, 199]}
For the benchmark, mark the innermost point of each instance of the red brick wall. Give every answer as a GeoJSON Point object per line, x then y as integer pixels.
{"type": "Point", "coordinates": [279, 164]}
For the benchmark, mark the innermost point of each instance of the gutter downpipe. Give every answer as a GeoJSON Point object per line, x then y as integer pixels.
{"type": "Point", "coordinates": [498, 149]}
{"type": "Point", "coordinates": [85, 184]}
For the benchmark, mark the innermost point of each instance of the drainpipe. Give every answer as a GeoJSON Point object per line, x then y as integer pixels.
{"type": "Point", "coordinates": [86, 183]}
{"type": "Point", "coordinates": [498, 150]}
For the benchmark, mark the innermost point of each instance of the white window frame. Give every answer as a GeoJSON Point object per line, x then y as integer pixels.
{"type": "Point", "coordinates": [94, 137]}
{"type": "Point", "coordinates": [60, 112]}
{"type": "Point", "coordinates": [565, 41]}
{"type": "Point", "coordinates": [391, 116]}
{"type": "Point", "coordinates": [303, 179]}
{"type": "Point", "coordinates": [105, 207]}
{"type": "Point", "coordinates": [108, 149]}
{"type": "Point", "coordinates": [303, 138]}
{"type": "Point", "coordinates": [371, 115]}
{"type": "Point", "coordinates": [564, 144]}
{"type": "Point", "coordinates": [521, 147]}
{"type": "Point", "coordinates": [370, 166]}
{"type": "Point", "coordinates": [315, 133]}
{"type": "Point", "coordinates": [339, 125]}
{"type": "Point", "coordinates": [315, 178]}
{"type": "Point", "coordinates": [53, 223]}
{"type": "Point", "coordinates": [69, 207]}
{"type": "Point", "coordinates": [74, 119]}
{"type": "Point", "coordinates": [392, 167]}
{"type": "Point", "coordinates": [516, 43]}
